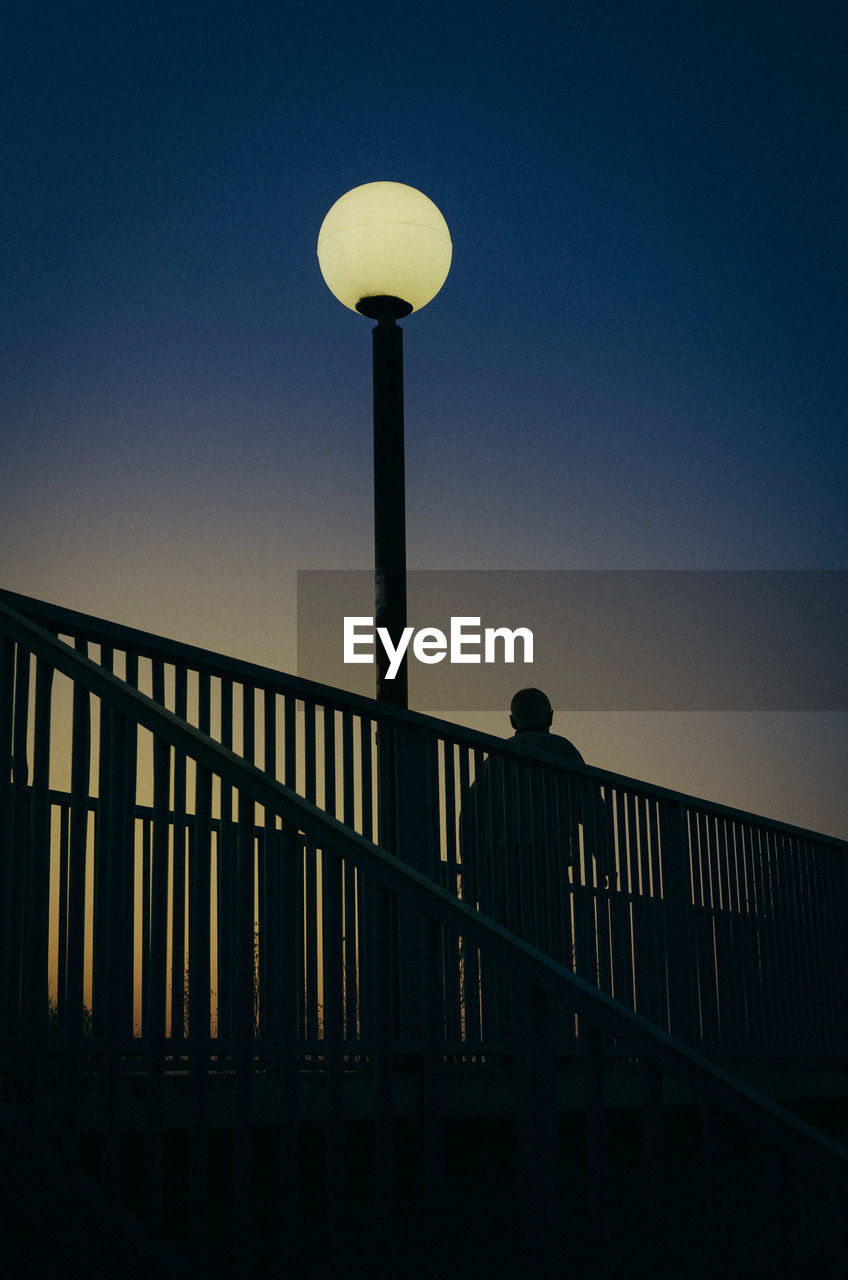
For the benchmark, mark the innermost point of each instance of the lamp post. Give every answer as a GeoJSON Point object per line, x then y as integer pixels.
{"type": "Point", "coordinates": [384, 250]}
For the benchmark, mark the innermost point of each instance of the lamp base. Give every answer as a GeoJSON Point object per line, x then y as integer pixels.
{"type": "Point", "coordinates": [384, 307]}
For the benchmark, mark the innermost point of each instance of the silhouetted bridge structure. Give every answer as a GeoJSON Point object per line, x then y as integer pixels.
{"type": "Point", "coordinates": [277, 970]}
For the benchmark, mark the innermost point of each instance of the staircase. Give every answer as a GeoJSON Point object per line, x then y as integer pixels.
{"type": "Point", "coordinates": [277, 968]}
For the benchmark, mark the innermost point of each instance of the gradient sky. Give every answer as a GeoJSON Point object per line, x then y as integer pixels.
{"type": "Point", "coordinates": [637, 361]}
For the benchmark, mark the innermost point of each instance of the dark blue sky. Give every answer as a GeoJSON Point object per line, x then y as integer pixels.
{"type": "Point", "coordinates": [637, 360]}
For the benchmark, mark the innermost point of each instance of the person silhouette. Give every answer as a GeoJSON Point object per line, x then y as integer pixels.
{"type": "Point", "coordinates": [519, 835]}
{"type": "Point", "coordinates": [504, 810]}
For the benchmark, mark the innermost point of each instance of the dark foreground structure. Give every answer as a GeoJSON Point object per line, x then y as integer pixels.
{"type": "Point", "coordinates": [284, 986]}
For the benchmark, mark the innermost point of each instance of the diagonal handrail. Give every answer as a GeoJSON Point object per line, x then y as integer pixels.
{"type": "Point", "coordinates": [712, 1085]}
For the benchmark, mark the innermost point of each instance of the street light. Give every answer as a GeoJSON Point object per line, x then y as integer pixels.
{"type": "Point", "coordinates": [384, 250]}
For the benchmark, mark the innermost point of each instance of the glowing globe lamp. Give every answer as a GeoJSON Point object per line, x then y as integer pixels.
{"type": "Point", "coordinates": [384, 250]}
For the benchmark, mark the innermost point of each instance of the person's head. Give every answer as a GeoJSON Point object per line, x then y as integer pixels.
{"type": "Point", "coordinates": [529, 710]}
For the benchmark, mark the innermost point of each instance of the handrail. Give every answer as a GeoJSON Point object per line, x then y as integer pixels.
{"type": "Point", "coordinates": [713, 1085]}
{"type": "Point", "coordinates": [717, 926]}
{"type": "Point", "coordinates": [147, 644]}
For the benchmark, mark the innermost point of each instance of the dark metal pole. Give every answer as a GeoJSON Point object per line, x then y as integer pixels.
{"type": "Point", "coordinates": [389, 496]}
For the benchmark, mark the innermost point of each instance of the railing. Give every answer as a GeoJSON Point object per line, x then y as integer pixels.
{"type": "Point", "coordinates": [410, 1203]}
{"type": "Point", "coordinates": [723, 928]}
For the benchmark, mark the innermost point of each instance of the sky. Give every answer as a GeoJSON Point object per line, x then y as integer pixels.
{"type": "Point", "coordinates": [637, 361]}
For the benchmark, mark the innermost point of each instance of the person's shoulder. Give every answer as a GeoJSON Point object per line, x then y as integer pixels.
{"type": "Point", "coordinates": [553, 744]}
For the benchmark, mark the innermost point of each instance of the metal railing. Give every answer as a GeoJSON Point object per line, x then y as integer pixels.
{"type": "Point", "coordinates": [238, 838]}
{"type": "Point", "coordinates": [721, 927]}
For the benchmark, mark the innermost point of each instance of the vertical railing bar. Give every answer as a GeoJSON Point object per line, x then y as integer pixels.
{"type": "Point", "coordinates": [248, 700]}
{"type": "Point", "coordinates": [62, 926]}
{"type": "Point", "coordinates": [488, 875]}
{"type": "Point", "coordinates": [290, 741]}
{"type": "Point", "coordinates": [364, 889]}
{"type": "Point", "coordinates": [226, 877]}
{"type": "Point", "coordinates": [286, 1021]}
{"type": "Point", "coordinates": [331, 903]}
{"type": "Point", "coordinates": [535, 864]}
{"type": "Point", "coordinates": [350, 962]}
{"type": "Point", "coordinates": [582, 826]}
{"type": "Point", "coordinates": [179, 1012]}
{"type": "Point", "coordinates": [244, 1019]}
{"type": "Point", "coordinates": [837, 900]}
{"type": "Point", "coordinates": [329, 720]}
{"type": "Point", "coordinates": [269, 731]}
{"type": "Point", "coordinates": [568, 855]}
{"type": "Point", "coordinates": [773, 1017]}
{"type": "Point", "coordinates": [633, 967]}
{"type": "Point", "coordinates": [831, 906]}
{"type": "Point", "coordinates": [450, 801]}
{"type": "Point", "coordinates": [748, 922]}
{"type": "Point", "coordinates": [8, 791]}
{"type": "Point", "coordinates": [450, 942]}
{"type": "Point", "coordinates": [696, 919]}
{"type": "Point", "coordinates": [34, 992]}
{"type": "Point", "coordinates": [269, 883]}
{"type": "Point", "coordinates": [681, 948]}
{"type": "Point", "coordinates": [21, 837]}
{"type": "Point", "coordinates": [129, 863]}
{"type": "Point", "coordinates": [622, 938]}
{"type": "Point", "coordinates": [553, 902]}
{"type": "Point", "coordinates": [648, 984]}
{"type": "Point", "coordinates": [657, 908]}
{"type": "Point", "coordinates": [737, 934]}
{"type": "Point", "coordinates": [385, 1235]}
{"type": "Point", "coordinates": [471, 881]}
{"type": "Point", "coordinates": [523, 846]}
{"type": "Point", "coordinates": [310, 713]}
{"type": "Point", "coordinates": [310, 926]}
{"type": "Point", "coordinates": [821, 907]}
{"type": "Point", "coordinates": [731, 981]}
{"type": "Point", "coordinates": [781, 944]}
{"type": "Point", "coordinates": [348, 783]}
{"type": "Point", "coordinates": [147, 826]}
{"type": "Point", "coordinates": [721, 959]}
{"type": "Point", "coordinates": [602, 898]}
{"type": "Point", "coordinates": [705, 927]}
{"type": "Point", "coordinates": [111, 850]}
{"type": "Point", "coordinates": [504, 774]}
{"type": "Point", "coordinates": [792, 960]}
{"type": "Point", "coordinates": [310, 755]}
{"type": "Point", "coordinates": [367, 777]}
{"type": "Point", "coordinates": [80, 800]}
{"type": "Point", "coordinates": [432, 1085]}
{"type": "Point", "coordinates": [156, 942]}
{"type": "Point", "coordinates": [807, 997]}
{"type": "Point", "coordinates": [199, 980]}
{"type": "Point", "coordinates": [302, 857]}
{"type": "Point", "coordinates": [651, 995]}
{"type": "Point", "coordinates": [105, 869]}
{"type": "Point", "coordinates": [744, 935]}
{"type": "Point", "coordinates": [601, 836]}
{"type": "Point", "coordinates": [816, 1017]}
{"type": "Point", "coordinates": [760, 928]}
